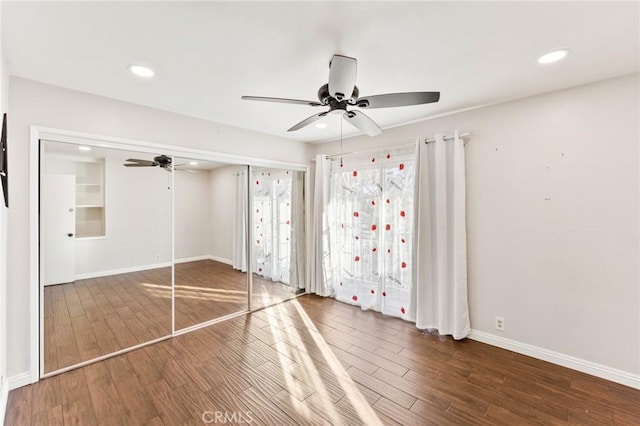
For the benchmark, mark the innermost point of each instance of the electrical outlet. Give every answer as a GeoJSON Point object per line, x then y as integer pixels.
{"type": "Point", "coordinates": [500, 323]}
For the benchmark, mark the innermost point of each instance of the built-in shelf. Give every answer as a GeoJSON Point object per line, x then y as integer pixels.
{"type": "Point", "coordinates": [90, 212]}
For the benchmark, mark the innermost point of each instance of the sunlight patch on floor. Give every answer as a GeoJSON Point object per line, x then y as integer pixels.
{"type": "Point", "coordinates": [359, 403]}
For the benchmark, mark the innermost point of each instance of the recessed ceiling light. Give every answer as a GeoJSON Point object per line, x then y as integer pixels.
{"type": "Point", "coordinates": [321, 125]}
{"type": "Point", "coordinates": [141, 71]}
{"type": "Point", "coordinates": [193, 163]}
{"type": "Point", "coordinates": [553, 56]}
{"type": "Point", "coordinates": [84, 148]}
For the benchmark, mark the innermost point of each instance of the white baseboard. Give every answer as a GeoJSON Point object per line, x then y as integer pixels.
{"type": "Point", "coordinates": [4, 395]}
{"type": "Point", "coordinates": [122, 271]}
{"type": "Point", "coordinates": [193, 259]}
{"type": "Point", "coordinates": [19, 380]}
{"type": "Point", "coordinates": [89, 275]}
{"type": "Point", "coordinates": [598, 370]}
{"type": "Point", "coordinates": [221, 260]}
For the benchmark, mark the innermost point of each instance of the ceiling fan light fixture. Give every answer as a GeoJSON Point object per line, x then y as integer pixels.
{"type": "Point", "coordinates": [553, 56]}
{"type": "Point", "coordinates": [321, 125]}
{"type": "Point", "coordinates": [84, 148]}
{"type": "Point", "coordinates": [193, 163]}
{"type": "Point", "coordinates": [141, 71]}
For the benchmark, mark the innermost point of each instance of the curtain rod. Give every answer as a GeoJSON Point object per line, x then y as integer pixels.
{"type": "Point", "coordinates": [408, 145]}
{"type": "Point", "coordinates": [448, 137]}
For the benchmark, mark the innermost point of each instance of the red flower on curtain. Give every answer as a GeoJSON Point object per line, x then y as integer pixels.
{"type": "Point", "coordinates": [257, 182]}
{"type": "Point", "coordinates": [401, 166]}
{"type": "Point", "coordinates": [388, 201]}
{"type": "Point", "coordinates": [404, 264]}
{"type": "Point", "coordinates": [388, 156]}
{"type": "Point", "coordinates": [373, 291]}
{"type": "Point", "coordinates": [355, 173]}
{"type": "Point", "coordinates": [374, 249]}
{"type": "Point", "coordinates": [387, 227]}
{"type": "Point", "coordinates": [374, 227]}
{"type": "Point", "coordinates": [402, 310]}
{"type": "Point", "coordinates": [373, 202]}
{"type": "Point", "coordinates": [357, 259]}
{"type": "Point", "coordinates": [384, 294]}
{"type": "Point", "coordinates": [356, 214]}
{"type": "Point", "coordinates": [373, 160]}
{"type": "Point", "coordinates": [354, 298]}
{"type": "Point", "coordinates": [403, 241]}
{"type": "Point", "coordinates": [402, 213]}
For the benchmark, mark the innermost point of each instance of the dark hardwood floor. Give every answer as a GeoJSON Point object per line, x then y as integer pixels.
{"type": "Point", "coordinates": [317, 361]}
{"type": "Point", "coordinates": [94, 317]}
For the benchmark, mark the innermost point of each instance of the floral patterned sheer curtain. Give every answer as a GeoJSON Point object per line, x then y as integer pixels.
{"type": "Point", "coordinates": [272, 223]}
{"type": "Point", "coordinates": [371, 219]}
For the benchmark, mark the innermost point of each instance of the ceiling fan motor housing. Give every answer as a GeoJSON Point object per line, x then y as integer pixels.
{"type": "Point", "coordinates": [163, 160]}
{"type": "Point", "coordinates": [325, 97]}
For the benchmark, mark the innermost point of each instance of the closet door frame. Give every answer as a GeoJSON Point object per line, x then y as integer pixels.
{"type": "Point", "coordinates": [36, 293]}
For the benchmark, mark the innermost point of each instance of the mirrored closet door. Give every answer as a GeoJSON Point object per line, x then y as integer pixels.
{"type": "Point", "coordinates": [278, 226]}
{"type": "Point", "coordinates": [105, 251]}
{"type": "Point", "coordinates": [211, 279]}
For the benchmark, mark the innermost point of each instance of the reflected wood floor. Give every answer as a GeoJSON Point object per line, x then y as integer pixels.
{"type": "Point", "coordinates": [313, 360]}
{"type": "Point", "coordinates": [94, 317]}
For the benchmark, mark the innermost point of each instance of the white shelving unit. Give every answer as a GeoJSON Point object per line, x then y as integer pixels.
{"type": "Point", "coordinates": [90, 212]}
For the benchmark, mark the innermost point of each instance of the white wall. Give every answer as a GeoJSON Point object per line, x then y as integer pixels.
{"type": "Point", "coordinates": [4, 104]}
{"type": "Point", "coordinates": [137, 221]}
{"type": "Point", "coordinates": [223, 200]}
{"type": "Point", "coordinates": [41, 104]}
{"type": "Point", "coordinates": [563, 273]}
{"type": "Point", "coordinates": [193, 214]}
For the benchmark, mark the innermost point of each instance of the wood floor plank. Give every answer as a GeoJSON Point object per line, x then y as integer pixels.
{"type": "Point", "coordinates": [304, 362]}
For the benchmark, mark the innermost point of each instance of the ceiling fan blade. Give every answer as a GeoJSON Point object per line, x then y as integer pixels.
{"type": "Point", "coordinates": [136, 160]}
{"type": "Point", "coordinates": [281, 100]}
{"type": "Point", "coordinates": [362, 122]}
{"type": "Point", "coordinates": [308, 121]}
{"type": "Point", "coordinates": [398, 99]}
{"type": "Point", "coordinates": [139, 165]}
{"type": "Point", "coordinates": [342, 76]}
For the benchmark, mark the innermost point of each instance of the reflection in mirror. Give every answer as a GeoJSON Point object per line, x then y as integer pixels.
{"type": "Point", "coordinates": [105, 241]}
{"type": "Point", "coordinates": [210, 208]}
{"type": "Point", "coordinates": [278, 230]}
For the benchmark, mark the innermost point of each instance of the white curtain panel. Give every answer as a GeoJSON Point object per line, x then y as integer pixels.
{"type": "Point", "coordinates": [441, 291]}
{"type": "Point", "coordinates": [371, 222]}
{"type": "Point", "coordinates": [297, 255]}
{"type": "Point", "coordinates": [320, 275]}
{"type": "Point", "coordinates": [239, 245]}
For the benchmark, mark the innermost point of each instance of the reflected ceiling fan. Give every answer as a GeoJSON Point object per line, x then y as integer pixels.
{"type": "Point", "coordinates": [162, 161]}
{"type": "Point", "coordinates": [342, 92]}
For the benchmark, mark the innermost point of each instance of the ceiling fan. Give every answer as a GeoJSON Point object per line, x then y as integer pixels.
{"type": "Point", "coordinates": [162, 161]}
{"type": "Point", "coordinates": [341, 92]}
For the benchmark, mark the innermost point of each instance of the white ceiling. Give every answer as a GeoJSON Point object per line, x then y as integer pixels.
{"type": "Point", "coordinates": [207, 54]}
